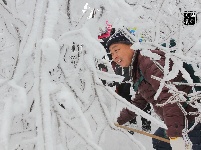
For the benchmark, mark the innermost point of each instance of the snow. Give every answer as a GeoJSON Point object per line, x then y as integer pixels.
{"type": "Point", "coordinates": [51, 53]}
{"type": "Point", "coordinates": [51, 87]}
{"type": "Point", "coordinates": [197, 46]}
{"type": "Point", "coordinates": [19, 97]}
{"type": "Point", "coordinates": [6, 123]}
{"type": "Point", "coordinates": [51, 18]}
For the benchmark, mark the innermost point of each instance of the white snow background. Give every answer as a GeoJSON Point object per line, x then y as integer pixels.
{"type": "Point", "coordinates": [52, 95]}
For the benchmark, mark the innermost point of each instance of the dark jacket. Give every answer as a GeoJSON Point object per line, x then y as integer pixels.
{"type": "Point", "coordinates": [171, 114]}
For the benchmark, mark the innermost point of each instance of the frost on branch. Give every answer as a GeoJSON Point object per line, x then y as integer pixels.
{"type": "Point", "coordinates": [56, 99]}
{"type": "Point", "coordinates": [167, 24]}
{"type": "Point", "coordinates": [52, 96]}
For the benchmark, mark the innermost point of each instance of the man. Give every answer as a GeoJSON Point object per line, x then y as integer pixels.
{"type": "Point", "coordinates": [142, 68]}
{"type": "Point", "coordinates": [123, 89]}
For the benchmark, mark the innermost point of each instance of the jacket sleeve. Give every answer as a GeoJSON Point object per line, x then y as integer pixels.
{"type": "Point", "coordinates": [126, 114]}
{"type": "Point", "coordinates": [139, 101]}
{"type": "Point", "coordinates": [172, 114]}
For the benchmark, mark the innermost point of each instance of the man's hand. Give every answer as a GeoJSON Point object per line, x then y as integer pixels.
{"type": "Point", "coordinates": [125, 116]}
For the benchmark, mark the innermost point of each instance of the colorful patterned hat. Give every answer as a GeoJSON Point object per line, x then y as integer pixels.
{"type": "Point", "coordinates": [117, 37]}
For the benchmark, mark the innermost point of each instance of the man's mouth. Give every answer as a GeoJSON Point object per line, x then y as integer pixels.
{"type": "Point", "coordinates": [119, 61]}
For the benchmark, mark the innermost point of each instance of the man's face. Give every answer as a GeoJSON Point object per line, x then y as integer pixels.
{"type": "Point", "coordinates": [121, 54]}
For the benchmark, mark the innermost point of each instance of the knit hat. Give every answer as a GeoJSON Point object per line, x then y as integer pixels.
{"type": "Point", "coordinates": [116, 38]}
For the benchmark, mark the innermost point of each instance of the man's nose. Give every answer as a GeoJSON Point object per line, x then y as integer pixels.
{"type": "Point", "coordinates": [114, 56]}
